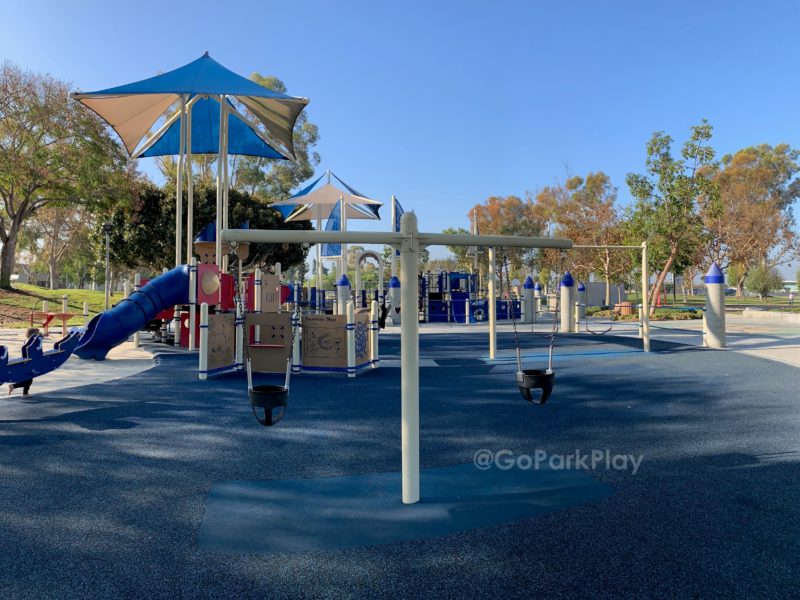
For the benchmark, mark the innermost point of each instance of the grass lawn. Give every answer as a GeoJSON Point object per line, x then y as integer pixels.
{"type": "Point", "coordinates": [772, 301]}
{"type": "Point", "coordinates": [16, 305]}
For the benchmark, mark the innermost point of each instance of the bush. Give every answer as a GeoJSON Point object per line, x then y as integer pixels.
{"type": "Point", "coordinates": [666, 314]}
{"type": "Point", "coordinates": [763, 280]}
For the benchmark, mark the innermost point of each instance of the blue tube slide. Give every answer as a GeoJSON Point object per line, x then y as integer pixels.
{"type": "Point", "coordinates": [114, 326]}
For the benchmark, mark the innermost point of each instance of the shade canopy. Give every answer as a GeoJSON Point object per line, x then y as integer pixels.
{"type": "Point", "coordinates": [133, 109]}
{"type": "Point", "coordinates": [315, 203]}
{"type": "Point", "coordinates": [243, 140]}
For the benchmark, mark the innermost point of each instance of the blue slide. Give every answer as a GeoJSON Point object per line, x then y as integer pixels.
{"type": "Point", "coordinates": [114, 326]}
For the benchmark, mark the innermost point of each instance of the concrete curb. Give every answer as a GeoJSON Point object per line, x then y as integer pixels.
{"type": "Point", "coordinates": [771, 315]}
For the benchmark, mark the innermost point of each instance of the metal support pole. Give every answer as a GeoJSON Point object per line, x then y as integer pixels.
{"type": "Point", "coordinates": [86, 312]}
{"type": "Point", "coordinates": [393, 259]}
{"type": "Point", "coordinates": [492, 305]}
{"type": "Point", "coordinates": [107, 304]}
{"type": "Point", "coordinates": [176, 326]}
{"type": "Point", "coordinates": [567, 304]}
{"type": "Point", "coordinates": [189, 193]}
{"type": "Point", "coordinates": [192, 300]}
{"type": "Point", "coordinates": [238, 357]}
{"type": "Point", "coordinates": [409, 360]}
{"type": "Point", "coordinates": [203, 354]}
{"type": "Point", "coordinates": [374, 330]}
{"type": "Point", "coordinates": [257, 287]}
{"type": "Point", "coordinates": [278, 290]}
{"type": "Point", "coordinates": [218, 222]}
{"type": "Point", "coordinates": [640, 321]}
{"type": "Point", "coordinates": [297, 328]}
{"type": "Point", "coordinates": [351, 338]}
{"type": "Point", "coordinates": [179, 186]}
{"type": "Point", "coordinates": [645, 303]}
{"type": "Point", "coordinates": [137, 283]}
{"type": "Point", "coordinates": [223, 131]}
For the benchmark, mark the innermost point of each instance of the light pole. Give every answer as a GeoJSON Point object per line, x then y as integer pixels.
{"type": "Point", "coordinates": [107, 229]}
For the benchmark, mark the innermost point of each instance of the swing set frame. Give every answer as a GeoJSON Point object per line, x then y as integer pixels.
{"type": "Point", "coordinates": [644, 313]}
{"type": "Point", "coordinates": [410, 241]}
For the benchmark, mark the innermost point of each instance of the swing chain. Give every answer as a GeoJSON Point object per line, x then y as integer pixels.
{"type": "Point", "coordinates": [503, 264]}
{"type": "Point", "coordinates": [554, 330]}
{"type": "Point", "coordinates": [239, 302]}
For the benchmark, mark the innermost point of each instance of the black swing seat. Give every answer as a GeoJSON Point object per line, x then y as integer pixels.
{"type": "Point", "coordinates": [535, 379]}
{"type": "Point", "coordinates": [382, 316]}
{"type": "Point", "coordinates": [268, 398]}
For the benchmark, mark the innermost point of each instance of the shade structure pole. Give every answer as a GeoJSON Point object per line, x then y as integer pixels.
{"type": "Point", "coordinates": [394, 228]}
{"type": "Point", "coordinates": [343, 214]}
{"type": "Point", "coordinates": [179, 186]}
{"type": "Point", "coordinates": [645, 303]}
{"type": "Point", "coordinates": [218, 223]}
{"type": "Point", "coordinates": [223, 131]}
{"type": "Point", "coordinates": [492, 306]}
{"type": "Point", "coordinates": [189, 188]}
{"type": "Point", "coordinates": [409, 360]}
{"type": "Point", "coordinates": [319, 264]}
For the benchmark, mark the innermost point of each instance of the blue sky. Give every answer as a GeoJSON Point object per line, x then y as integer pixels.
{"type": "Point", "coordinates": [446, 103]}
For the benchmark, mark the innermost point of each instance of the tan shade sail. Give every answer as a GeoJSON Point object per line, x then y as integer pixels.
{"type": "Point", "coordinates": [133, 109]}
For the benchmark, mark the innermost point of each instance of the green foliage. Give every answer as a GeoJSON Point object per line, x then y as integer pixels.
{"type": "Point", "coordinates": [666, 213]}
{"type": "Point", "coordinates": [53, 152]}
{"type": "Point", "coordinates": [762, 280]}
{"type": "Point", "coordinates": [274, 180]}
{"type": "Point", "coordinates": [750, 221]}
{"type": "Point", "coordinates": [462, 261]}
{"type": "Point", "coordinates": [508, 215]}
{"type": "Point", "coordinates": [143, 235]}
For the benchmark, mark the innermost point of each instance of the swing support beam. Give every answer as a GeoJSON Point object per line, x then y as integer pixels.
{"type": "Point", "coordinates": [409, 240]}
{"type": "Point", "coordinates": [645, 318]}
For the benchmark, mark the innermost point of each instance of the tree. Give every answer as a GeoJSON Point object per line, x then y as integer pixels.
{"type": "Point", "coordinates": [141, 236]}
{"type": "Point", "coordinates": [274, 180]}
{"type": "Point", "coordinates": [461, 261]}
{"type": "Point", "coordinates": [750, 220]}
{"type": "Point", "coordinates": [667, 197]}
{"type": "Point", "coordinates": [586, 212]}
{"type": "Point", "coordinates": [507, 216]}
{"type": "Point", "coordinates": [54, 232]}
{"type": "Point", "coordinates": [424, 257]}
{"type": "Point", "coordinates": [52, 152]}
{"type": "Point", "coordinates": [762, 280]}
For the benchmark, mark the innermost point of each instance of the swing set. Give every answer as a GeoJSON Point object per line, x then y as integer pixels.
{"type": "Point", "coordinates": [529, 380]}
{"type": "Point", "coordinates": [409, 241]}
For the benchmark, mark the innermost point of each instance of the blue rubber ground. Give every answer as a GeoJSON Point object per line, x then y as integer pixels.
{"type": "Point", "coordinates": [335, 513]}
{"type": "Point", "coordinates": [104, 488]}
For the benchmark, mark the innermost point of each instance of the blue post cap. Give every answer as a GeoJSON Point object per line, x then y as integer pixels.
{"type": "Point", "coordinates": [528, 285]}
{"type": "Point", "coordinates": [208, 233]}
{"type": "Point", "coordinates": [537, 287]}
{"type": "Point", "coordinates": [394, 282]}
{"type": "Point", "coordinates": [567, 280]}
{"type": "Point", "coordinates": [714, 274]}
{"type": "Point", "coordinates": [343, 281]}
{"type": "Point", "coordinates": [581, 287]}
